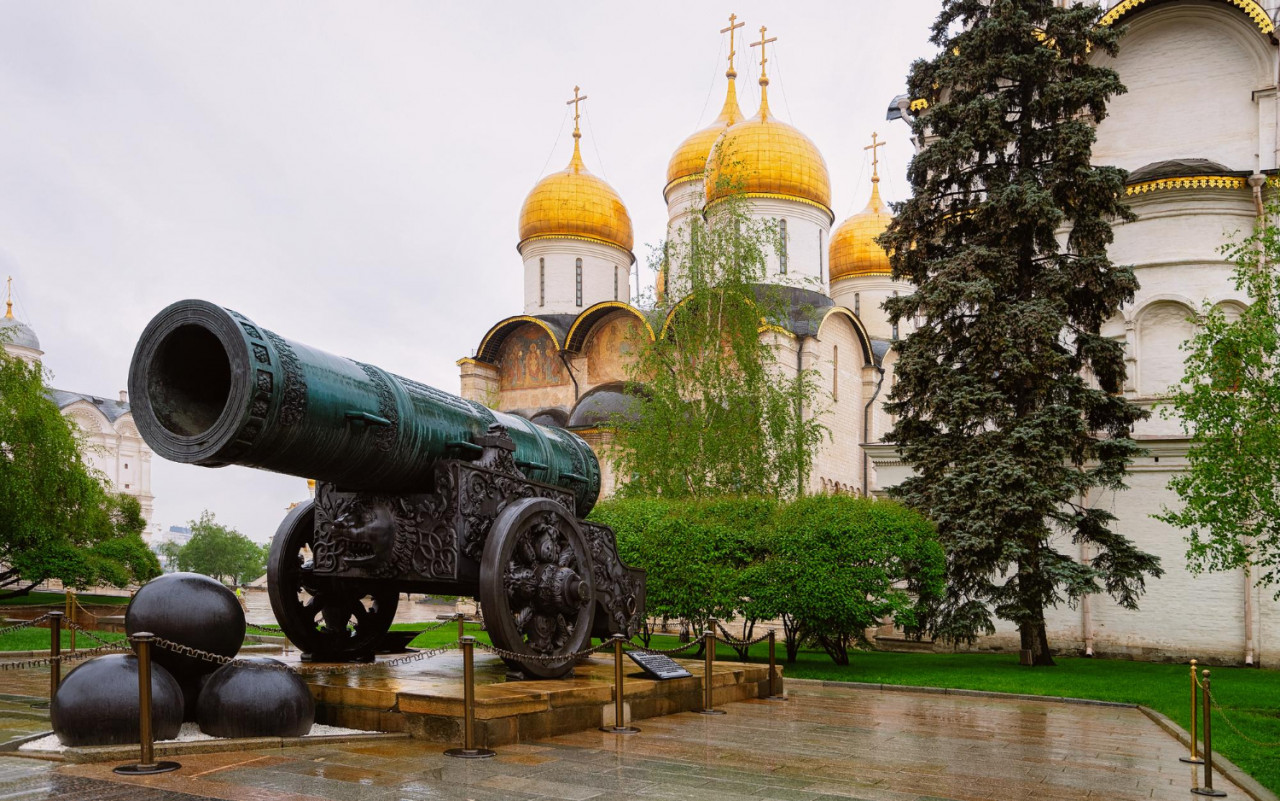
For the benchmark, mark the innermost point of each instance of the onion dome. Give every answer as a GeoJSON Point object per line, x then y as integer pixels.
{"type": "Point", "coordinates": [15, 332]}
{"type": "Point", "coordinates": [765, 157]}
{"type": "Point", "coordinates": [853, 250]}
{"type": "Point", "coordinates": [690, 159]}
{"type": "Point", "coordinates": [575, 204]}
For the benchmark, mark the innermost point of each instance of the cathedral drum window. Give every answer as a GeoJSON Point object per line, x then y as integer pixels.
{"type": "Point", "coordinates": [542, 282]}
{"type": "Point", "coordinates": [578, 279]}
{"type": "Point", "coordinates": [782, 246]}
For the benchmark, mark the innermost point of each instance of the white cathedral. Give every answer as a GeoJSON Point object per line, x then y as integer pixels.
{"type": "Point", "coordinates": [1199, 132]}
{"type": "Point", "coordinates": [110, 441]}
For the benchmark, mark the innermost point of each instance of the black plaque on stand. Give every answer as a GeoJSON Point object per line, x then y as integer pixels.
{"type": "Point", "coordinates": [658, 666]}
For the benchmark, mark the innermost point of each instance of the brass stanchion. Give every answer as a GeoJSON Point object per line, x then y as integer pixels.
{"type": "Point", "coordinates": [1208, 744]}
{"type": "Point", "coordinates": [1194, 759]}
{"type": "Point", "coordinates": [71, 617]}
{"type": "Point", "coordinates": [619, 716]}
{"type": "Point", "coordinates": [708, 664]}
{"type": "Point", "coordinates": [146, 764]}
{"type": "Point", "coordinates": [773, 669]}
{"type": "Point", "coordinates": [468, 749]}
{"type": "Point", "coordinates": [55, 652]}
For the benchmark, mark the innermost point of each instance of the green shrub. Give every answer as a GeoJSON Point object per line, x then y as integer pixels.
{"type": "Point", "coordinates": [693, 551]}
{"type": "Point", "coordinates": [828, 566]}
{"type": "Point", "coordinates": [839, 565]}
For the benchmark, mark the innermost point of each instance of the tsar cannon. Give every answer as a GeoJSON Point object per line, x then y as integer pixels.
{"type": "Point", "coordinates": [418, 491]}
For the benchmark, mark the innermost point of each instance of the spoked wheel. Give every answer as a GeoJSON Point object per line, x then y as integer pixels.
{"type": "Point", "coordinates": [329, 618]}
{"type": "Point", "coordinates": [536, 586]}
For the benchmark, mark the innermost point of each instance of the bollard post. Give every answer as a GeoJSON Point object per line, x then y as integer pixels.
{"type": "Point", "coordinates": [619, 715]}
{"type": "Point", "coordinates": [146, 764]}
{"type": "Point", "coordinates": [468, 749]}
{"type": "Point", "coordinates": [55, 653]}
{"type": "Point", "coordinates": [1208, 744]}
{"type": "Point", "coordinates": [708, 666]}
{"type": "Point", "coordinates": [461, 631]}
{"type": "Point", "coordinates": [71, 617]}
{"type": "Point", "coordinates": [773, 669]}
{"type": "Point", "coordinates": [1194, 759]}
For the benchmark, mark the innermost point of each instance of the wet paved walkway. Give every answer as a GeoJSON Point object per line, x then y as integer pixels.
{"type": "Point", "coordinates": [823, 744]}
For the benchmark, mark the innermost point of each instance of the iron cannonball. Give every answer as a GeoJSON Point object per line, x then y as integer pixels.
{"type": "Point", "coordinates": [254, 697]}
{"type": "Point", "coordinates": [97, 703]}
{"type": "Point", "coordinates": [192, 610]}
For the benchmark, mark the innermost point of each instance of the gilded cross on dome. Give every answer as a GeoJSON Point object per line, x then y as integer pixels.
{"type": "Point", "coordinates": [577, 134]}
{"type": "Point", "coordinates": [875, 156]}
{"type": "Point", "coordinates": [732, 73]}
{"type": "Point", "coordinates": [764, 79]}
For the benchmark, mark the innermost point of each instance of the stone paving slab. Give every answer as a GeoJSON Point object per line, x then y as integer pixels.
{"type": "Point", "coordinates": [824, 744]}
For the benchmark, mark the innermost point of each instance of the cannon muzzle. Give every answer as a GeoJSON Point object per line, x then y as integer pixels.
{"type": "Point", "coordinates": [211, 387]}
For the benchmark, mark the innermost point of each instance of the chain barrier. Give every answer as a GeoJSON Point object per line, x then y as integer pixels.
{"type": "Point", "coordinates": [264, 627]}
{"type": "Point", "coordinates": [26, 624]}
{"type": "Point", "coordinates": [89, 633]}
{"type": "Point", "coordinates": [542, 659]}
{"type": "Point", "coordinates": [1223, 712]}
{"type": "Point", "coordinates": [733, 641]}
{"type": "Point", "coordinates": [666, 651]}
{"type": "Point", "coordinates": [45, 661]}
{"type": "Point", "coordinates": [218, 659]}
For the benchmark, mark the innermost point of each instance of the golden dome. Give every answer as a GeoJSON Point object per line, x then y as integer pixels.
{"type": "Point", "coordinates": [765, 157]}
{"type": "Point", "coordinates": [690, 159]}
{"type": "Point", "coordinates": [853, 250]}
{"type": "Point", "coordinates": [574, 203]}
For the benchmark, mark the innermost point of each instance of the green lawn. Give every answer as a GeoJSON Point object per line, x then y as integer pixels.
{"type": "Point", "coordinates": [58, 599]}
{"type": "Point", "coordinates": [36, 639]}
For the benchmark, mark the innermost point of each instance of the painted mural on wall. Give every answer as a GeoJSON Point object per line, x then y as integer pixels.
{"type": "Point", "coordinates": [611, 347]}
{"type": "Point", "coordinates": [529, 360]}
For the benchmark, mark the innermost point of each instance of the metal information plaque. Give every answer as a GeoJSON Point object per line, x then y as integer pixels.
{"type": "Point", "coordinates": [659, 666]}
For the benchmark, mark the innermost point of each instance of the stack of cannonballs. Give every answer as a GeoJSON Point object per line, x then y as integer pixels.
{"type": "Point", "coordinates": [97, 702]}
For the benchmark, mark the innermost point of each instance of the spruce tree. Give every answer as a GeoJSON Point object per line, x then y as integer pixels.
{"type": "Point", "coordinates": [1007, 398]}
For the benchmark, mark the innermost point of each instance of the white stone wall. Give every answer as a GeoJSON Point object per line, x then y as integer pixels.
{"type": "Point", "coordinates": [1191, 69]}
{"type": "Point", "coordinates": [871, 292]}
{"type": "Point", "coordinates": [117, 451]}
{"type": "Point", "coordinates": [606, 275]}
{"type": "Point", "coordinates": [842, 368]}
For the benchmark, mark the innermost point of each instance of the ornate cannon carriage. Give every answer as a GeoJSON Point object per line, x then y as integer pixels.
{"type": "Point", "coordinates": [417, 491]}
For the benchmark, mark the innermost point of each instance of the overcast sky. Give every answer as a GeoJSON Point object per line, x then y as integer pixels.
{"type": "Point", "coordinates": [350, 174]}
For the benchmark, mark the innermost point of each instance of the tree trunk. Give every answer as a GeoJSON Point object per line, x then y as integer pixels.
{"type": "Point", "coordinates": [1036, 640]}
{"type": "Point", "coordinates": [19, 593]}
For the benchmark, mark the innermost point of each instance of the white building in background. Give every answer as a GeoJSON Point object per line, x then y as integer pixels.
{"type": "Point", "coordinates": [111, 442]}
{"type": "Point", "coordinates": [563, 360]}
{"type": "Point", "coordinates": [1197, 131]}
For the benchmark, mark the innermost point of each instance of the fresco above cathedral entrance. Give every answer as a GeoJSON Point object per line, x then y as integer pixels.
{"type": "Point", "coordinates": [611, 347]}
{"type": "Point", "coordinates": [529, 360]}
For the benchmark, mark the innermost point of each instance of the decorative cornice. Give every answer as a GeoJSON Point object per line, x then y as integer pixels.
{"type": "Point", "coordinates": [1186, 182]}
{"type": "Point", "coordinates": [776, 196]}
{"type": "Point", "coordinates": [1251, 9]}
{"type": "Point", "coordinates": [569, 340]}
{"type": "Point", "coordinates": [576, 237]}
{"type": "Point", "coordinates": [697, 176]}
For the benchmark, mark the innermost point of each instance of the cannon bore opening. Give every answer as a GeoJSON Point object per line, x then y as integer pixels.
{"type": "Point", "coordinates": [189, 381]}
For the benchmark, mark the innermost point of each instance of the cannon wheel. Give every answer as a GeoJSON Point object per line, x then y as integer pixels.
{"type": "Point", "coordinates": [329, 618]}
{"type": "Point", "coordinates": [536, 585]}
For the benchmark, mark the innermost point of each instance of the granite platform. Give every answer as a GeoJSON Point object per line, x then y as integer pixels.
{"type": "Point", "coordinates": [425, 698]}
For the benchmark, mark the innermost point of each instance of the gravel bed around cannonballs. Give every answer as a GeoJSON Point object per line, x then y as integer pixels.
{"type": "Point", "coordinates": [190, 733]}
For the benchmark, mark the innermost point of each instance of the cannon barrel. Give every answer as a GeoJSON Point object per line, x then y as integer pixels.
{"type": "Point", "coordinates": [210, 387]}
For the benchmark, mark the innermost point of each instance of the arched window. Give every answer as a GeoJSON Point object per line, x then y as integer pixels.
{"type": "Point", "coordinates": [895, 325]}
{"type": "Point", "coordinates": [782, 246]}
{"type": "Point", "coordinates": [542, 282]}
{"type": "Point", "coordinates": [835, 373]}
{"type": "Point", "coordinates": [615, 282]}
{"type": "Point", "coordinates": [577, 268]}
{"type": "Point", "coordinates": [857, 303]}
